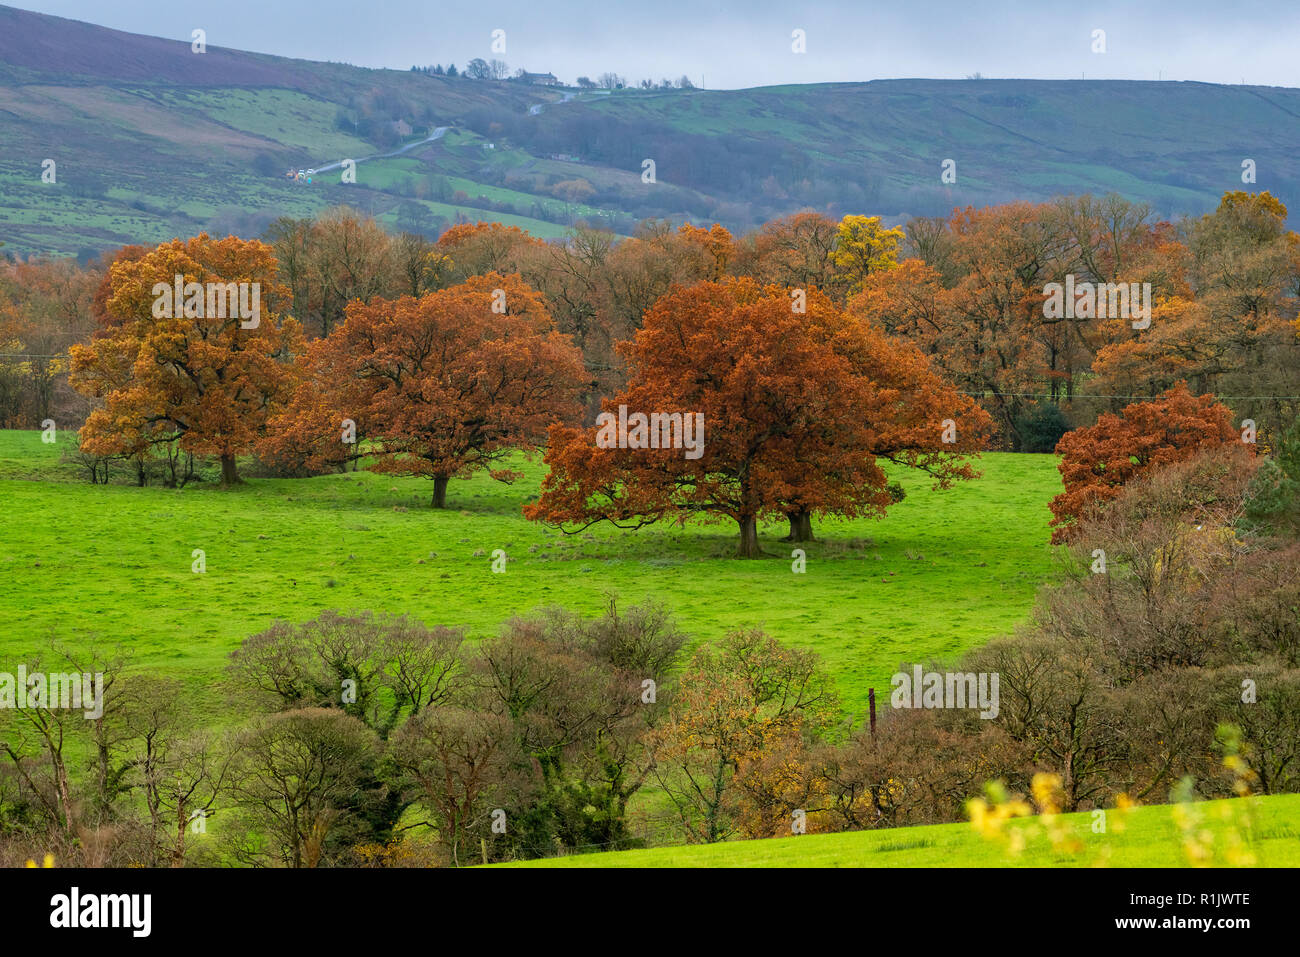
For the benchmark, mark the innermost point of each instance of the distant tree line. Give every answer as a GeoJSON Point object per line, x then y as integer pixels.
{"type": "Point", "coordinates": [481, 69]}
{"type": "Point", "coordinates": [968, 292]}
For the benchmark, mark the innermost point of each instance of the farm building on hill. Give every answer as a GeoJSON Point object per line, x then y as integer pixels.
{"type": "Point", "coordinates": [540, 79]}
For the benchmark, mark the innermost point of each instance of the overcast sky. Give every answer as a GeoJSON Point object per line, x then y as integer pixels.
{"type": "Point", "coordinates": [740, 43]}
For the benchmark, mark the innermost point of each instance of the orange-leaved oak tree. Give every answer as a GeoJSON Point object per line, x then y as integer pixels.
{"type": "Point", "coordinates": [1098, 461]}
{"type": "Point", "coordinates": [191, 349]}
{"type": "Point", "coordinates": [782, 418]}
{"type": "Point", "coordinates": [437, 386]}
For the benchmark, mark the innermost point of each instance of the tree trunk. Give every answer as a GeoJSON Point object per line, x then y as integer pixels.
{"type": "Point", "coordinates": [749, 538]}
{"type": "Point", "coordinates": [229, 476]}
{"type": "Point", "coordinates": [178, 849]}
{"type": "Point", "coordinates": [103, 773]}
{"type": "Point", "coordinates": [440, 491]}
{"type": "Point", "coordinates": [800, 526]}
{"type": "Point", "coordinates": [65, 792]}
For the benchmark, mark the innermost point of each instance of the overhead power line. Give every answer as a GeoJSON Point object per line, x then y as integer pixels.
{"type": "Point", "coordinates": [1048, 395]}
{"type": "Point", "coordinates": [974, 395]}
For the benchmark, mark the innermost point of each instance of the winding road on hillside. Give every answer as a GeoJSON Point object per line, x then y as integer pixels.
{"type": "Point", "coordinates": [435, 135]}
{"type": "Point", "coordinates": [536, 108]}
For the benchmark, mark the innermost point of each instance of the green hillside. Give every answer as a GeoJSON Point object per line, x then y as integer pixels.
{"type": "Point", "coordinates": [1150, 837]}
{"type": "Point", "coordinates": [151, 140]}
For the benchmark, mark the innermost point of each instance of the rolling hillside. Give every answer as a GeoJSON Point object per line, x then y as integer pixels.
{"type": "Point", "coordinates": [1148, 837]}
{"type": "Point", "coordinates": [152, 140]}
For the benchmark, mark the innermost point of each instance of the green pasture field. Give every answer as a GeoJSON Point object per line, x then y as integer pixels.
{"type": "Point", "coordinates": [944, 572]}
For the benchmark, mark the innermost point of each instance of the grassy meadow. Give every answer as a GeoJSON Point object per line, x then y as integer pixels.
{"type": "Point", "coordinates": [1145, 837]}
{"type": "Point", "coordinates": [945, 571]}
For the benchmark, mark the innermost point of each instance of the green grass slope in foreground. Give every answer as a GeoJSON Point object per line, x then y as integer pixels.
{"type": "Point", "coordinates": [945, 571]}
{"type": "Point", "coordinates": [1150, 837]}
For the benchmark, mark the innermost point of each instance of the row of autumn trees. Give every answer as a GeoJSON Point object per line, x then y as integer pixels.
{"type": "Point", "coordinates": [800, 398]}
{"type": "Point", "coordinates": [811, 350]}
{"type": "Point", "coordinates": [967, 290]}
{"type": "Point", "coordinates": [1172, 668]}
{"type": "Point", "coordinates": [44, 309]}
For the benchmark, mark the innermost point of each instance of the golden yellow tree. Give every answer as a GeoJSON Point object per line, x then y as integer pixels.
{"type": "Point", "coordinates": [862, 248]}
